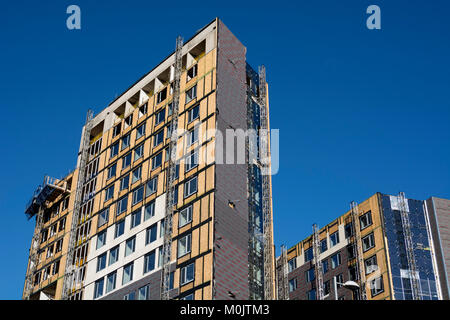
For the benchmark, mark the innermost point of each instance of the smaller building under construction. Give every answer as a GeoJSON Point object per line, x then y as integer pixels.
{"type": "Point", "coordinates": [385, 248]}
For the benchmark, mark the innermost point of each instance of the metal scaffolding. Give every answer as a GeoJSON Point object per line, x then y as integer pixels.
{"type": "Point", "coordinates": [358, 250]}
{"type": "Point", "coordinates": [317, 263]}
{"type": "Point", "coordinates": [282, 275]}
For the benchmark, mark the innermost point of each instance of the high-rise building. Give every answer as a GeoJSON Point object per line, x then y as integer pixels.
{"type": "Point", "coordinates": [384, 248]}
{"type": "Point", "coordinates": [165, 202]}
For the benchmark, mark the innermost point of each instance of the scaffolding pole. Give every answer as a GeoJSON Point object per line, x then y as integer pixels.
{"type": "Point", "coordinates": [171, 175]}
{"type": "Point", "coordinates": [84, 155]}
{"type": "Point", "coordinates": [358, 250]}
{"type": "Point", "coordinates": [317, 263]}
{"type": "Point", "coordinates": [282, 275]}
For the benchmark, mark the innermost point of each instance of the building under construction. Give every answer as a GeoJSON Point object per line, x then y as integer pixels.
{"type": "Point", "coordinates": [385, 248]}
{"type": "Point", "coordinates": [149, 213]}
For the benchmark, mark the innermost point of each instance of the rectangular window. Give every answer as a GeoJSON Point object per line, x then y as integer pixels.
{"type": "Point", "coordinates": [348, 230]}
{"type": "Point", "coordinates": [122, 205]}
{"type": "Point", "coordinates": [140, 131]}
{"type": "Point", "coordinates": [130, 245]}
{"type": "Point", "coordinates": [138, 152]}
{"type": "Point", "coordinates": [193, 113]}
{"type": "Point", "coordinates": [120, 228]}
{"type": "Point", "coordinates": [324, 266]}
{"type": "Point", "coordinates": [188, 297]}
{"type": "Point", "coordinates": [126, 161]}
{"type": "Point", "coordinates": [125, 142]}
{"type": "Point", "coordinates": [143, 110]}
{"type": "Point", "coordinates": [116, 130]}
{"type": "Point", "coordinates": [310, 275]}
{"type": "Point", "coordinates": [371, 264]}
{"type": "Point", "coordinates": [184, 245]}
{"type": "Point", "coordinates": [191, 161]}
{"type": "Point", "coordinates": [101, 262]}
{"type": "Point", "coordinates": [192, 72]}
{"type": "Point", "coordinates": [114, 150]}
{"type": "Point", "coordinates": [103, 217]}
{"type": "Point", "coordinates": [336, 260]}
{"type": "Point", "coordinates": [160, 117]}
{"type": "Point", "coordinates": [158, 138]}
{"type": "Point", "coordinates": [292, 285]}
{"type": "Point", "coordinates": [334, 239]}
{"type": "Point", "coordinates": [323, 245]}
{"type": "Point", "coordinates": [162, 95]}
{"type": "Point", "coordinates": [143, 292]}
{"type": "Point", "coordinates": [111, 281]}
{"type": "Point", "coordinates": [309, 255]}
{"type": "Point", "coordinates": [311, 295]}
{"type": "Point", "coordinates": [136, 174]}
{"type": "Point", "coordinates": [129, 296]}
{"type": "Point", "coordinates": [339, 280]}
{"type": "Point", "coordinates": [109, 192]}
{"type": "Point", "coordinates": [352, 273]}
{"type": "Point", "coordinates": [191, 94]}
{"type": "Point", "coordinates": [127, 273]}
{"type": "Point", "coordinates": [192, 136]}
{"type": "Point", "coordinates": [368, 242]}
{"type": "Point", "coordinates": [101, 239]}
{"type": "Point", "coordinates": [190, 187]}
{"type": "Point", "coordinates": [376, 286]}
{"type": "Point", "coordinates": [113, 255]}
{"type": "Point", "coordinates": [138, 195]}
{"type": "Point", "coordinates": [149, 261]}
{"type": "Point", "coordinates": [112, 171]}
{"type": "Point", "coordinates": [124, 182]}
{"type": "Point", "coordinates": [187, 274]}
{"type": "Point", "coordinates": [326, 288]}
{"type": "Point", "coordinates": [351, 251]}
{"type": "Point", "coordinates": [365, 220]}
{"type": "Point", "coordinates": [149, 210]}
{"type": "Point", "coordinates": [151, 186]}
{"type": "Point", "coordinates": [151, 233]}
{"type": "Point", "coordinates": [128, 121]}
{"type": "Point", "coordinates": [185, 216]}
{"type": "Point", "coordinates": [136, 218]}
{"type": "Point", "coordinates": [292, 264]}
{"type": "Point", "coordinates": [98, 288]}
{"type": "Point", "coordinates": [157, 161]}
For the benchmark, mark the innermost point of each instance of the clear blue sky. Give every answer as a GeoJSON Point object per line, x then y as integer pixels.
{"type": "Point", "coordinates": [359, 111]}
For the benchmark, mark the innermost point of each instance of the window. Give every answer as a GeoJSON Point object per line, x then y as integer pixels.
{"type": "Point", "coordinates": [352, 273]}
{"type": "Point", "coordinates": [184, 245]}
{"type": "Point", "coordinates": [348, 230]}
{"type": "Point", "coordinates": [138, 152]}
{"type": "Point", "coordinates": [170, 109]}
{"type": "Point", "coordinates": [138, 195]}
{"type": "Point", "coordinates": [192, 136]}
{"type": "Point", "coordinates": [128, 121]}
{"type": "Point", "coordinates": [98, 288]}
{"type": "Point", "coordinates": [111, 281]}
{"type": "Point", "coordinates": [150, 234]}
{"type": "Point", "coordinates": [368, 242]}
{"type": "Point", "coordinates": [124, 182]}
{"type": "Point", "coordinates": [161, 229]}
{"type": "Point", "coordinates": [113, 255]}
{"type": "Point", "coordinates": [125, 142]}
{"type": "Point", "coordinates": [120, 228]}
{"type": "Point", "coordinates": [162, 95]}
{"type": "Point", "coordinates": [376, 286]}
{"type": "Point", "coordinates": [130, 245]}
{"type": "Point", "coordinates": [149, 210]}
{"type": "Point", "coordinates": [114, 150]}
{"type": "Point", "coordinates": [143, 110]}
{"type": "Point", "coordinates": [190, 187]}
{"type": "Point", "coordinates": [143, 292]}
{"type": "Point", "coordinates": [126, 161]}
{"type": "Point", "coordinates": [136, 218]}
{"type": "Point", "coordinates": [334, 239]}
{"type": "Point", "coordinates": [351, 251]}
{"type": "Point", "coordinates": [336, 260]}
{"type": "Point", "coordinates": [191, 161]}
{"type": "Point", "coordinates": [371, 264]}
{"type": "Point", "coordinates": [311, 295]}
{"type": "Point", "coordinates": [193, 113]}
{"type": "Point", "coordinates": [117, 129]}
{"type": "Point", "coordinates": [152, 184]}
{"type": "Point", "coordinates": [109, 192]}
{"type": "Point", "coordinates": [55, 269]}
{"type": "Point", "coordinates": [292, 264]}
{"type": "Point", "coordinates": [324, 266]}
{"type": "Point", "coordinates": [185, 216]}
{"type": "Point", "coordinates": [149, 261]}
{"type": "Point", "coordinates": [140, 131]}
{"type": "Point", "coordinates": [127, 273]}
{"type": "Point", "coordinates": [101, 262]}
{"type": "Point", "coordinates": [160, 117]}
{"type": "Point", "coordinates": [191, 94]}
{"type": "Point", "coordinates": [192, 72]}
{"type": "Point", "coordinates": [157, 161]}
{"type": "Point", "coordinates": [365, 220]}
{"type": "Point", "coordinates": [101, 239]}
{"type": "Point", "coordinates": [129, 296]}
{"type": "Point", "coordinates": [58, 247]}
{"type": "Point", "coordinates": [122, 205]}
{"type": "Point", "coordinates": [158, 138]}
{"type": "Point", "coordinates": [188, 297]}
{"type": "Point", "coordinates": [187, 274]}
{"type": "Point", "coordinates": [62, 224]}
{"type": "Point", "coordinates": [326, 288]}
{"type": "Point", "coordinates": [323, 245]}
{"type": "Point", "coordinates": [136, 174]}
{"type": "Point", "coordinates": [309, 255]}
{"type": "Point", "coordinates": [112, 171]}
{"type": "Point", "coordinates": [310, 275]}
{"type": "Point", "coordinates": [292, 285]}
